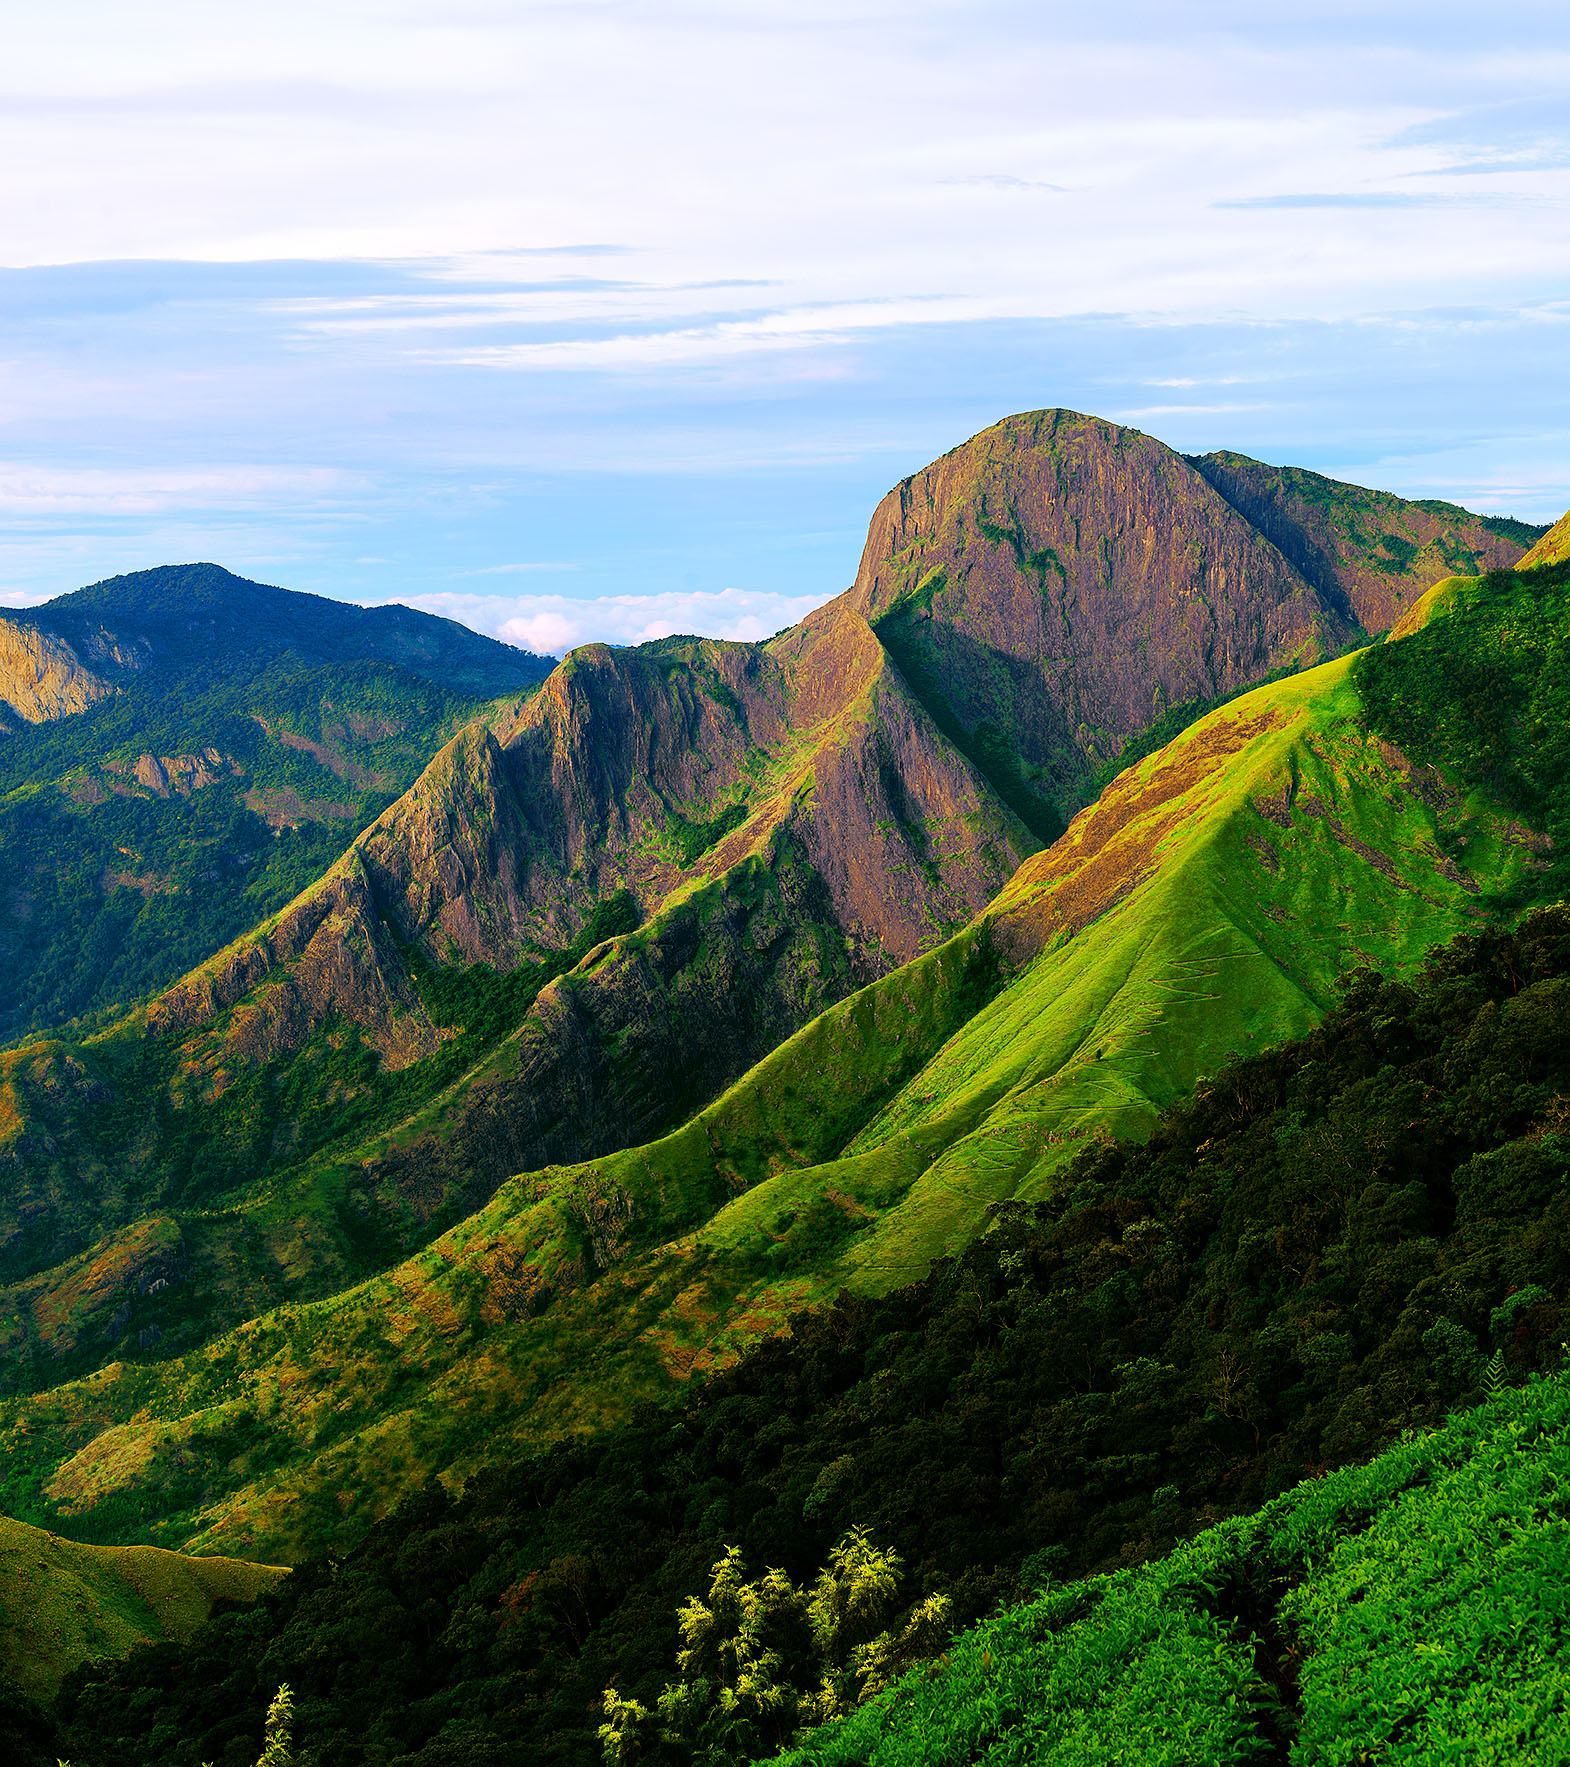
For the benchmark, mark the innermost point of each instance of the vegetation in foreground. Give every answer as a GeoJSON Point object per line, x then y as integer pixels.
{"type": "Point", "coordinates": [1330, 1243]}
{"type": "Point", "coordinates": [1414, 1610]}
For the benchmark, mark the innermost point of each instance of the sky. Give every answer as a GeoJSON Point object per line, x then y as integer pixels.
{"type": "Point", "coordinates": [599, 320]}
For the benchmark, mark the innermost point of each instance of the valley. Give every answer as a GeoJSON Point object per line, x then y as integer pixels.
{"type": "Point", "coordinates": [590, 1051]}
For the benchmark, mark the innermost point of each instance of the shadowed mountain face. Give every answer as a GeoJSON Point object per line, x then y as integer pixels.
{"type": "Point", "coordinates": [181, 617]}
{"type": "Point", "coordinates": [596, 909]}
{"type": "Point", "coordinates": [1366, 552]}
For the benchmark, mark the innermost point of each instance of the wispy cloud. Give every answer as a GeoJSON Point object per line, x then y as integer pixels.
{"type": "Point", "coordinates": [554, 624]}
{"type": "Point", "coordinates": [1367, 199]}
{"type": "Point", "coordinates": [1006, 181]}
{"type": "Point", "coordinates": [55, 491]}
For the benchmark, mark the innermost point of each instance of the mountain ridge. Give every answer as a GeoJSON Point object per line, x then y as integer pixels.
{"type": "Point", "coordinates": [835, 829]}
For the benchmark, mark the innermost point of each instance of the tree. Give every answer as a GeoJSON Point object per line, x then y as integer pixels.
{"type": "Point", "coordinates": [761, 1661]}
{"type": "Point", "coordinates": [278, 1735]}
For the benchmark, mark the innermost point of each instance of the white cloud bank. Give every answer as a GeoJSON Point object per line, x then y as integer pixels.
{"type": "Point", "coordinates": [555, 624]}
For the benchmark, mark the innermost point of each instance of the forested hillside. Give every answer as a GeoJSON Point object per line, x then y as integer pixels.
{"type": "Point", "coordinates": [182, 752]}
{"type": "Point", "coordinates": [1329, 1244]}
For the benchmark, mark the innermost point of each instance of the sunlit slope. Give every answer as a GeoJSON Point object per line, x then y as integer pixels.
{"type": "Point", "coordinates": [1204, 906]}
{"type": "Point", "coordinates": [62, 1603]}
{"type": "Point", "coordinates": [1413, 1610]}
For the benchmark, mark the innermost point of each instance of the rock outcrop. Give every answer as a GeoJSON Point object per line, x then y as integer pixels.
{"type": "Point", "coordinates": [790, 820]}
{"type": "Point", "coordinates": [1060, 581]}
{"type": "Point", "coordinates": [42, 677]}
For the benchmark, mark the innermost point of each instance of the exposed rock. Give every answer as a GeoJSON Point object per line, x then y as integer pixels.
{"type": "Point", "coordinates": [1063, 580]}
{"type": "Point", "coordinates": [177, 775]}
{"type": "Point", "coordinates": [1367, 552]}
{"type": "Point", "coordinates": [42, 677]}
{"type": "Point", "coordinates": [793, 820]}
{"type": "Point", "coordinates": [337, 960]}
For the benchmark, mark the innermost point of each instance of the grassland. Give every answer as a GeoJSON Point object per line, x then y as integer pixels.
{"type": "Point", "coordinates": [1203, 908]}
{"type": "Point", "coordinates": [63, 1604]}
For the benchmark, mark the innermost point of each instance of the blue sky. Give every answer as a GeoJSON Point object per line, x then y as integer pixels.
{"type": "Point", "coordinates": [601, 320]}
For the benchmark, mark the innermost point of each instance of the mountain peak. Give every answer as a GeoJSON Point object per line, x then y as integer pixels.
{"type": "Point", "coordinates": [189, 613]}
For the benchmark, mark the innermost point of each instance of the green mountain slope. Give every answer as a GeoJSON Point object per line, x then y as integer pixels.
{"type": "Point", "coordinates": [755, 829]}
{"type": "Point", "coordinates": [1330, 1244]}
{"type": "Point", "coordinates": [751, 806]}
{"type": "Point", "coordinates": [1414, 1610]}
{"type": "Point", "coordinates": [1203, 907]}
{"type": "Point", "coordinates": [184, 751]}
{"type": "Point", "coordinates": [63, 1604]}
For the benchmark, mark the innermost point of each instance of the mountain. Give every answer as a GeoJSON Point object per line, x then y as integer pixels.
{"type": "Point", "coordinates": [1552, 547]}
{"type": "Point", "coordinates": [1058, 584]}
{"type": "Point", "coordinates": [595, 911]}
{"type": "Point", "coordinates": [185, 751]}
{"type": "Point", "coordinates": [1203, 908]}
{"type": "Point", "coordinates": [1369, 552]}
{"type": "Point", "coordinates": [68, 1604]}
{"type": "Point", "coordinates": [180, 617]}
{"type": "Point", "coordinates": [1318, 1256]}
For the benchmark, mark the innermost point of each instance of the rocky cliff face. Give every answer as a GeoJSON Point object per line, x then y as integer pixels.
{"type": "Point", "coordinates": [1368, 553]}
{"type": "Point", "coordinates": [1057, 582]}
{"type": "Point", "coordinates": [42, 677]}
{"type": "Point", "coordinates": [788, 821]}
{"type": "Point", "coordinates": [1062, 580]}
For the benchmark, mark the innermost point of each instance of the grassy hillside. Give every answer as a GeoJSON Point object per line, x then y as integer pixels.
{"type": "Point", "coordinates": [1414, 1610]}
{"type": "Point", "coordinates": [1202, 909]}
{"type": "Point", "coordinates": [63, 1604]}
{"type": "Point", "coordinates": [736, 835]}
{"type": "Point", "coordinates": [147, 832]}
{"type": "Point", "coordinates": [1332, 1242]}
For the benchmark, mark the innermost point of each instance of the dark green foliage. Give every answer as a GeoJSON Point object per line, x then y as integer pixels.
{"type": "Point", "coordinates": [27, 1732]}
{"type": "Point", "coordinates": [1412, 1611]}
{"type": "Point", "coordinates": [1487, 697]}
{"type": "Point", "coordinates": [693, 839]}
{"type": "Point", "coordinates": [328, 1094]}
{"type": "Point", "coordinates": [1399, 552]}
{"type": "Point", "coordinates": [1307, 1258]}
{"type": "Point", "coordinates": [335, 1087]}
{"type": "Point", "coordinates": [1507, 527]}
{"type": "Point", "coordinates": [339, 705]}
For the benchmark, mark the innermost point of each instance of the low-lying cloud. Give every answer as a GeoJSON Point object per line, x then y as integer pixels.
{"type": "Point", "coordinates": [555, 624]}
